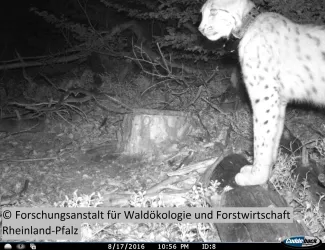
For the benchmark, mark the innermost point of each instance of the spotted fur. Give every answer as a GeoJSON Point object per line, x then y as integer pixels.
{"type": "Point", "coordinates": [281, 61]}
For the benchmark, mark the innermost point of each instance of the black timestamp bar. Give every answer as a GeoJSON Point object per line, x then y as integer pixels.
{"type": "Point", "coordinates": [23, 245]}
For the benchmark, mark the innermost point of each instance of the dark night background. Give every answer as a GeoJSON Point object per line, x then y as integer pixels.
{"type": "Point", "coordinates": [22, 30]}
{"type": "Point", "coordinates": [29, 34]}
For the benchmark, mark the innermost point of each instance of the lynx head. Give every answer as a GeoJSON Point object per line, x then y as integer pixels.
{"type": "Point", "coordinates": [221, 17]}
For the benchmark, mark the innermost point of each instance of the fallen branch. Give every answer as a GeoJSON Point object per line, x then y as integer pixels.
{"type": "Point", "coordinates": [43, 61]}
{"type": "Point", "coordinates": [169, 198]}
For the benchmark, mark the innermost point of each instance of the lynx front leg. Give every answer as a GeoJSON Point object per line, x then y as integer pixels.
{"type": "Point", "coordinates": [268, 115]}
{"type": "Point", "coordinates": [279, 129]}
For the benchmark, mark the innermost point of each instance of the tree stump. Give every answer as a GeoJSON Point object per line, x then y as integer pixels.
{"type": "Point", "coordinates": [153, 131]}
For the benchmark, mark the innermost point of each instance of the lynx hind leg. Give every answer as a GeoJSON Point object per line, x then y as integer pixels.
{"type": "Point", "coordinates": [268, 115]}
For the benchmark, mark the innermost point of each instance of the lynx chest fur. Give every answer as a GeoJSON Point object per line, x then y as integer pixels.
{"type": "Point", "coordinates": [281, 61]}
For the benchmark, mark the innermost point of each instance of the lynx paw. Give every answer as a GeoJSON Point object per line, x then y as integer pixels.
{"type": "Point", "coordinates": [250, 175]}
{"type": "Point", "coordinates": [246, 169]}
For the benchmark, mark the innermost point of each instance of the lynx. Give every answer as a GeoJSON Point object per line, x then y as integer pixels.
{"type": "Point", "coordinates": [281, 61]}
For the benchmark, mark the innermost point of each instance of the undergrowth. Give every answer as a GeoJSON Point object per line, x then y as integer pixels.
{"type": "Point", "coordinates": [298, 195]}
{"type": "Point", "coordinates": [161, 232]}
